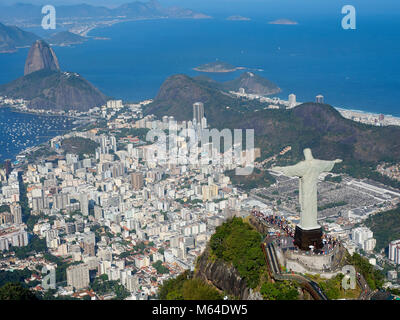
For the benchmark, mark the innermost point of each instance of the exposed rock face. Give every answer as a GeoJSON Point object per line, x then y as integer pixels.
{"type": "Point", "coordinates": [254, 295]}
{"type": "Point", "coordinates": [44, 86]}
{"type": "Point", "coordinates": [260, 227]}
{"type": "Point", "coordinates": [223, 276]}
{"type": "Point", "coordinates": [40, 57]}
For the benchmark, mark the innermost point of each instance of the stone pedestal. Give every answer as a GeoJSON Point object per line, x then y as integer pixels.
{"type": "Point", "coordinates": [306, 238]}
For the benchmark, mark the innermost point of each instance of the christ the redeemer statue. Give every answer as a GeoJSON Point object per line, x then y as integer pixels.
{"type": "Point", "coordinates": [308, 231]}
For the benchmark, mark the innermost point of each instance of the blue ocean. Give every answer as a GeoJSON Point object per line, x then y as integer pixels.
{"type": "Point", "coordinates": [354, 69]}
{"type": "Point", "coordinates": [19, 131]}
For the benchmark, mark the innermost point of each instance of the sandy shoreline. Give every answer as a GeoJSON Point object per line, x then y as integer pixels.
{"type": "Point", "coordinates": [366, 112]}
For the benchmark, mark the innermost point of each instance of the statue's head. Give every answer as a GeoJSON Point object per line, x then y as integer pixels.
{"type": "Point", "coordinates": [307, 154]}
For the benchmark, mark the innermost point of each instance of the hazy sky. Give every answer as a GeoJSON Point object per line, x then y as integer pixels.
{"type": "Point", "coordinates": [253, 7]}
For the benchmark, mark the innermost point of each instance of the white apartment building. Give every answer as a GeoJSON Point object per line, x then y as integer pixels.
{"type": "Point", "coordinates": [78, 276]}
{"type": "Point", "coordinates": [13, 236]}
{"type": "Point", "coordinates": [394, 251]}
{"type": "Point", "coordinates": [364, 238]}
{"type": "Point", "coordinates": [142, 261]}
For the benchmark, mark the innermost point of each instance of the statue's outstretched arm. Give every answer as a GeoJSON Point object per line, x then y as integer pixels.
{"type": "Point", "coordinates": [296, 170]}
{"type": "Point", "coordinates": [327, 165]}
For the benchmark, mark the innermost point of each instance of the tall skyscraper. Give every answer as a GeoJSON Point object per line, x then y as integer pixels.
{"type": "Point", "coordinates": [78, 276]}
{"type": "Point", "coordinates": [364, 237]}
{"type": "Point", "coordinates": [113, 142]}
{"type": "Point", "coordinates": [198, 112]}
{"type": "Point", "coordinates": [394, 251]}
{"type": "Point", "coordinates": [132, 283]}
{"type": "Point", "coordinates": [137, 180]}
{"type": "Point", "coordinates": [14, 236]}
{"type": "Point", "coordinates": [84, 202]}
{"type": "Point", "coordinates": [292, 100]}
{"type": "Point", "coordinates": [98, 212]}
{"type": "Point", "coordinates": [7, 167]}
{"type": "Point", "coordinates": [319, 99]}
{"type": "Point", "coordinates": [52, 238]}
{"type": "Point", "coordinates": [204, 123]}
{"type": "Point", "coordinates": [89, 243]}
{"type": "Point", "coordinates": [209, 192]}
{"type": "Point", "coordinates": [61, 201]}
{"type": "Point", "coordinates": [6, 218]}
{"type": "Point", "coordinates": [37, 204]}
{"type": "Point", "coordinates": [16, 212]}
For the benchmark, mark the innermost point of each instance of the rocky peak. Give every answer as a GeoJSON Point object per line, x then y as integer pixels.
{"type": "Point", "coordinates": [41, 56]}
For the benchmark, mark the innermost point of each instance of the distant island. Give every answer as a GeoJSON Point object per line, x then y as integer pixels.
{"type": "Point", "coordinates": [66, 38]}
{"type": "Point", "coordinates": [238, 18]}
{"type": "Point", "coordinates": [284, 22]}
{"type": "Point", "coordinates": [217, 67]}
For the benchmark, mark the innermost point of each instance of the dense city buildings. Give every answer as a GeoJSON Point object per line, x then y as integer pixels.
{"type": "Point", "coordinates": [120, 211]}
{"type": "Point", "coordinates": [209, 190]}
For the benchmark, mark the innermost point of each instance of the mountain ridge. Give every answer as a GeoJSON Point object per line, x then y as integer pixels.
{"type": "Point", "coordinates": [12, 37]}
{"type": "Point", "coordinates": [181, 90]}
{"type": "Point", "coordinates": [45, 86]}
{"type": "Point", "coordinates": [134, 9]}
{"type": "Point", "coordinates": [41, 56]}
{"type": "Point", "coordinates": [316, 126]}
{"type": "Point", "coordinates": [23, 14]}
{"type": "Point", "coordinates": [253, 84]}
{"type": "Point", "coordinates": [55, 90]}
